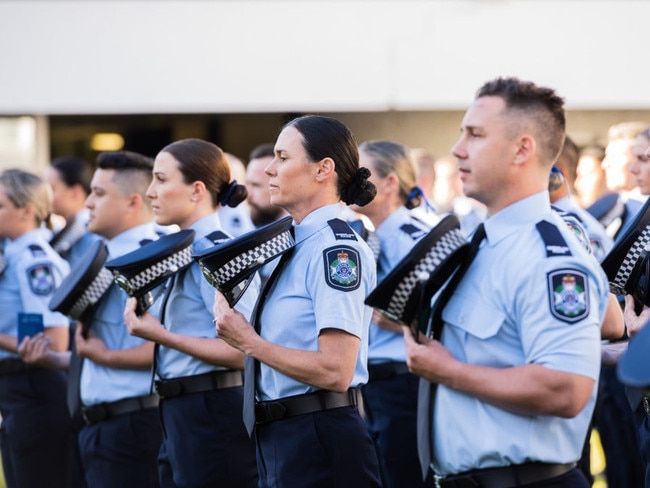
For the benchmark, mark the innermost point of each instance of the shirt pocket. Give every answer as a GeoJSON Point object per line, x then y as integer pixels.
{"type": "Point", "coordinates": [474, 316]}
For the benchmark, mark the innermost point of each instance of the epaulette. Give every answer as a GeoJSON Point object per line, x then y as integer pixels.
{"type": "Point", "coordinates": [342, 230]}
{"type": "Point", "coordinates": [553, 239]}
{"type": "Point", "coordinates": [63, 241]}
{"type": "Point", "coordinates": [37, 250]}
{"type": "Point", "coordinates": [217, 237]}
{"type": "Point", "coordinates": [413, 231]}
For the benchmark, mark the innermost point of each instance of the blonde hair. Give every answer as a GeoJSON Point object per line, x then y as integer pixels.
{"type": "Point", "coordinates": [391, 157]}
{"type": "Point", "coordinates": [24, 188]}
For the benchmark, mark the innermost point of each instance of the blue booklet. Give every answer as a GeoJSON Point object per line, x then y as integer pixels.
{"type": "Point", "coordinates": [29, 324]}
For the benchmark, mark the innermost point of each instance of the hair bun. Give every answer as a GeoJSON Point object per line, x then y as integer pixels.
{"type": "Point", "coordinates": [232, 194]}
{"type": "Point", "coordinates": [360, 191]}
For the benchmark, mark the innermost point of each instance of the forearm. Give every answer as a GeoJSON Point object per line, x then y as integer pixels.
{"type": "Point", "coordinates": [139, 357]}
{"type": "Point", "coordinates": [210, 350]}
{"type": "Point", "coordinates": [8, 343]}
{"type": "Point", "coordinates": [529, 389]}
{"type": "Point", "coordinates": [331, 367]}
{"type": "Point", "coordinates": [613, 326]}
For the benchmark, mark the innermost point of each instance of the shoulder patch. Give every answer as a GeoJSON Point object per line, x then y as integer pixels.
{"type": "Point", "coordinates": [568, 295]}
{"type": "Point", "coordinates": [553, 239]}
{"type": "Point", "coordinates": [341, 230]}
{"type": "Point", "coordinates": [342, 268]}
{"type": "Point", "coordinates": [413, 231]}
{"type": "Point", "coordinates": [37, 251]}
{"type": "Point", "coordinates": [41, 279]}
{"type": "Point", "coordinates": [217, 237]}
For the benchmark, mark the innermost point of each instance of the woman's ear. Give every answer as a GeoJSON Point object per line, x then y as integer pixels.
{"type": "Point", "coordinates": [326, 168]}
{"type": "Point", "coordinates": [198, 191]}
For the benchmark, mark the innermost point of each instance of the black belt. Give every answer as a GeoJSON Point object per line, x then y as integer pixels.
{"type": "Point", "coordinates": [104, 411]}
{"type": "Point", "coordinates": [384, 371]}
{"type": "Point", "coordinates": [12, 366]}
{"type": "Point", "coordinates": [515, 475]}
{"type": "Point", "coordinates": [284, 408]}
{"type": "Point", "coordinates": [214, 380]}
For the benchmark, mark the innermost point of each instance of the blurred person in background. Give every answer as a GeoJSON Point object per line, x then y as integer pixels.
{"type": "Point", "coordinates": [236, 220]}
{"type": "Point", "coordinates": [36, 431]}
{"type": "Point", "coordinates": [590, 183]}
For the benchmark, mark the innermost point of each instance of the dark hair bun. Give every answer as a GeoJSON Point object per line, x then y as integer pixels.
{"type": "Point", "coordinates": [360, 191]}
{"type": "Point", "coordinates": [233, 194]}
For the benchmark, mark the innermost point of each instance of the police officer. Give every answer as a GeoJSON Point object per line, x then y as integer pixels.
{"type": "Point", "coordinates": [522, 355]}
{"type": "Point", "coordinates": [36, 432]}
{"type": "Point", "coordinates": [200, 380]}
{"type": "Point", "coordinates": [121, 437]}
{"type": "Point", "coordinates": [70, 181]}
{"type": "Point", "coordinates": [313, 327]}
{"type": "Point", "coordinates": [390, 397]}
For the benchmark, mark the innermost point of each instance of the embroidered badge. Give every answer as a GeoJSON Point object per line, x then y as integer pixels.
{"type": "Point", "coordinates": [342, 268]}
{"type": "Point", "coordinates": [568, 295]}
{"type": "Point", "coordinates": [41, 279]}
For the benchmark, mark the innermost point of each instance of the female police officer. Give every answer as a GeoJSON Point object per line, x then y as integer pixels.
{"type": "Point", "coordinates": [313, 338]}
{"type": "Point", "coordinates": [204, 440]}
{"type": "Point", "coordinates": [36, 430]}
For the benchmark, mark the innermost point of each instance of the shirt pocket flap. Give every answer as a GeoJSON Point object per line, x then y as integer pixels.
{"type": "Point", "coordinates": [476, 317]}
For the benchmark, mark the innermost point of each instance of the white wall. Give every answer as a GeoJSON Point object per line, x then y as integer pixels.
{"type": "Point", "coordinates": [193, 56]}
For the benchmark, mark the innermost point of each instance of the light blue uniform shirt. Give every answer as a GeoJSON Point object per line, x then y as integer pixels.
{"type": "Point", "coordinates": [307, 298]}
{"type": "Point", "coordinates": [100, 383]}
{"type": "Point", "coordinates": [600, 242]}
{"type": "Point", "coordinates": [188, 309]}
{"type": "Point", "coordinates": [504, 313]}
{"type": "Point", "coordinates": [28, 283]}
{"type": "Point", "coordinates": [397, 236]}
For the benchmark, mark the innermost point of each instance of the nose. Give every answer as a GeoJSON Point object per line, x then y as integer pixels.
{"type": "Point", "coordinates": [150, 192]}
{"type": "Point", "coordinates": [458, 149]}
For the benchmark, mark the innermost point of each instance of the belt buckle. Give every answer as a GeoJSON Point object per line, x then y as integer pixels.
{"type": "Point", "coordinates": [437, 479]}
{"type": "Point", "coordinates": [645, 401]}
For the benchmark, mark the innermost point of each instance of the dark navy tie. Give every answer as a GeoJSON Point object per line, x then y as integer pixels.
{"type": "Point", "coordinates": [251, 365]}
{"type": "Point", "coordinates": [427, 390]}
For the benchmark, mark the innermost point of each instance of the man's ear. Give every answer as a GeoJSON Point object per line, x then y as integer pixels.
{"type": "Point", "coordinates": [326, 168]}
{"type": "Point", "coordinates": [526, 147]}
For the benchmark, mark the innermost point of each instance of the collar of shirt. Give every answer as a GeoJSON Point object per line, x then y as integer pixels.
{"type": "Point", "coordinates": [391, 225]}
{"type": "Point", "coordinates": [203, 227]}
{"type": "Point", "coordinates": [314, 221]}
{"type": "Point", "coordinates": [529, 210]}
{"type": "Point", "coordinates": [129, 240]}
{"type": "Point", "coordinates": [17, 245]}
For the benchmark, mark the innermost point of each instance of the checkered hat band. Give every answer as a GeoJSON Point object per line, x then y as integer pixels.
{"type": "Point", "coordinates": [258, 255]}
{"type": "Point", "coordinates": [174, 262]}
{"type": "Point", "coordinates": [447, 244]}
{"type": "Point", "coordinates": [93, 293]}
{"type": "Point", "coordinates": [617, 285]}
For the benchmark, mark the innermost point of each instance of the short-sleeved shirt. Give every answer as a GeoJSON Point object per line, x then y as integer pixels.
{"type": "Point", "coordinates": [522, 301]}
{"type": "Point", "coordinates": [101, 383]}
{"type": "Point", "coordinates": [397, 236]}
{"type": "Point", "coordinates": [189, 308]}
{"type": "Point", "coordinates": [322, 286]}
{"type": "Point", "coordinates": [34, 271]}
